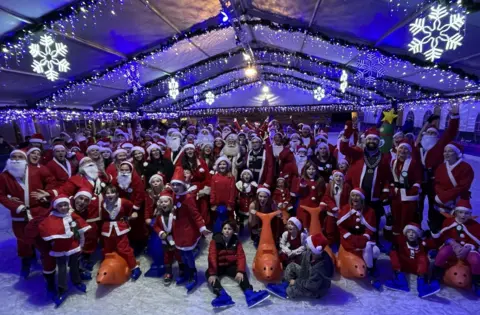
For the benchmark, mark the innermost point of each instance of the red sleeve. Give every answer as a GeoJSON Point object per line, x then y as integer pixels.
{"type": "Point", "coordinates": [49, 181]}
{"type": "Point", "coordinates": [233, 192]}
{"type": "Point", "coordinates": [69, 188]}
{"type": "Point", "coordinates": [328, 200]}
{"type": "Point", "coordinates": [451, 133]}
{"type": "Point", "coordinates": [138, 194]}
{"type": "Point", "coordinates": [241, 260]}
{"type": "Point", "coordinates": [157, 227]}
{"type": "Point", "coordinates": [341, 226]}
{"type": "Point", "coordinates": [249, 125]}
{"type": "Point", "coordinates": [269, 169]}
{"type": "Point", "coordinates": [148, 206]}
{"type": "Point", "coordinates": [4, 200]}
{"type": "Point", "coordinates": [83, 226]}
{"type": "Point", "coordinates": [128, 206]}
{"type": "Point", "coordinates": [394, 258]}
{"type": "Point", "coordinates": [213, 191]}
{"type": "Point", "coordinates": [416, 180]}
{"type": "Point", "coordinates": [237, 125]}
{"type": "Point", "coordinates": [194, 214]}
{"type": "Point", "coordinates": [464, 183]}
{"type": "Point", "coordinates": [353, 153]}
{"type": "Point", "coordinates": [212, 259]}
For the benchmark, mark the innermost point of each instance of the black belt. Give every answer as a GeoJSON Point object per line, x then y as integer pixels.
{"type": "Point", "coordinates": [359, 231]}
{"type": "Point", "coordinates": [400, 185]}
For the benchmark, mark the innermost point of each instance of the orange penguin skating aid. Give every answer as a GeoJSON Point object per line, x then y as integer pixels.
{"type": "Point", "coordinates": [113, 270]}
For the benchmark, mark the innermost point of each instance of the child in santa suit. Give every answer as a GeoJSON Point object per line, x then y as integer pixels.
{"type": "Point", "coordinates": [282, 198]}
{"type": "Point", "coordinates": [223, 193]}
{"type": "Point", "coordinates": [188, 226]}
{"type": "Point", "coordinates": [264, 204]}
{"type": "Point", "coordinates": [151, 197]}
{"type": "Point", "coordinates": [292, 242]}
{"type": "Point", "coordinates": [336, 196]}
{"type": "Point", "coordinates": [356, 224]}
{"type": "Point", "coordinates": [246, 191]}
{"type": "Point", "coordinates": [163, 228]}
{"type": "Point", "coordinates": [409, 255]}
{"type": "Point", "coordinates": [65, 230]}
{"type": "Point", "coordinates": [116, 212]}
{"type": "Point", "coordinates": [460, 236]}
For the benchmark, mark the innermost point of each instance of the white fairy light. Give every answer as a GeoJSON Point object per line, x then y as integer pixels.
{"type": "Point", "coordinates": [344, 81]}
{"type": "Point", "coordinates": [209, 98]}
{"type": "Point", "coordinates": [173, 88]}
{"type": "Point", "coordinates": [319, 93]}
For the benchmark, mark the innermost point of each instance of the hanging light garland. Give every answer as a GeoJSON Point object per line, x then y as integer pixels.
{"type": "Point", "coordinates": [209, 98]}
{"type": "Point", "coordinates": [319, 93]}
{"type": "Point", "coordinates": [173, 88]}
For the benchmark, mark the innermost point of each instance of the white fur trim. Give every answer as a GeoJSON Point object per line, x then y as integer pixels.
{"type": "Point", "coordinates": [265, 190]}
{"type": "Point", "coordinates": [93, 147]}
{"type": "Point", "coordinates": [358, 192]}
{"type": "Point", "coordinates": [412, 227]}
{"type": "Point", "coordinates": [83, 193]}
{"type": "Point", "coordinates": [137, 148]}
{"type": "Point", "coordinates": [59, 200]}
{"type": "Point", "coordinates": [297, 222]}
{"type": "Point", "coordinates": [316, 250]}
{"type": "Point", "coordinates": [454, 148]}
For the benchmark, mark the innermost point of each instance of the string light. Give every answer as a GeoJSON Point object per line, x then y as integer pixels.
{"type": "Point", "coordinates": [250, 72]}
{"type": "Point", "coordinates": [173, 88]}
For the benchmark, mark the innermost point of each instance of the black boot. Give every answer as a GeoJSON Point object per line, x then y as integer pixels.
{"type": "Point", "coordinates": [476, 284]}
{"type": "Point", "coordinates": [437, 273]}
{"type": "Point", "coordinates": [26, 265]}
{"type": "Point", "coordinates": [86, 262]}
{"type": "Point", "coordinates": [51, 287]}
{"type": "Point", "coordinates": [376, 284]}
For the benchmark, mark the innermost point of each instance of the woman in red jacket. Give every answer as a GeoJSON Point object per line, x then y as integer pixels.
{"type": "Point", "coordinates": [227, 258]}
{"type": "Point", "coordinates": [223, 192]}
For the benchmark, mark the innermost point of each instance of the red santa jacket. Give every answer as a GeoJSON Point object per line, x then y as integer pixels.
{"type": "Point", "coordinates": [310, 192]}
{"type": "Point", "coordinates": [407, 258]}
{"type": "Point", "coordinates": [223, 191]}
{"type": "Point", "coordinates": [116, 218]}
{"type": "Point", "coordinates": [221, 255]}
{"type": "Point", "coordinates": [151, 204]}
{"type": "Point", "coordinates": [452, 182]}
{"type": "Point", "coordinates": [467, 234]}
{"type": "Point", "coordinates": [47, 156]}
{"type": "Point", "coordinates": [135, 192]}
{"type": "Point", "coordinates": [35, 178]}
{"type": "Point", "coordinates": [288, 166]}
{"type": "Point", "coordinates": [356, 227]}
{"type": "Point", "coordinates": [266, 172]}
{"type": "Point", "coordinates": [282, 198]}
{"type": "Point", "coordinates": [111, 170]}
{"type": "Point", "coordinates": [246, 193]}
{"type": "Point", "coordinates": [201, 177]}
{"type": "Point", "coordinates": [335, 202]}
{"type": "Point", "coordinates": [164, 225]}
{"type": "Point", "coordinates": [410, 170]}
{"type": "Point", "coordinates": [93, 211]}
{"type": "Point", "coordinates": [60, 229]}
{"type": "Point", "coordinates": [60, 172]}
{"type": "Point", "coordinates": [188, 223]}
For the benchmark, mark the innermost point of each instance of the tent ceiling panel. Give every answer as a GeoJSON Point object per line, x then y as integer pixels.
{"type": "Point", "coordinates": [34, 8]}
{"type": "Point", "coordinates": [299, 9]}
{"type": "Point", "coordinates": [22, 87]}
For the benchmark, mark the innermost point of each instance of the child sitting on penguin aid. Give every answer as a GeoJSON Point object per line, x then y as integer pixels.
{"type": "Point", "coordinates": [227, 258]}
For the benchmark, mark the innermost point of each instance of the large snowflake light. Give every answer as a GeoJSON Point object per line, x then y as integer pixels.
{"type": "Point", "coordinates": [173, 88]}
{"type": "Point", "coordinates": [343, 81]}
{"type": "Point", "coordinates": [49, 59]}
{"type": "Point", "coordinates": [436, 37]}
{"type": "Point", "coordinates": [371, 68]}
{"type": "Point", "coordinates": [319, 93]}
{"type": "Point", "coordinates": [209, 98]}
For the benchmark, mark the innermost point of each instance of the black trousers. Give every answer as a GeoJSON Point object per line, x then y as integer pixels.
{"type": "Point", "coordinates": [72, 262]}
{"type": "Point", "coordinates": [229, 271]}
{"type": "Point", "coordinates": [377, 206]}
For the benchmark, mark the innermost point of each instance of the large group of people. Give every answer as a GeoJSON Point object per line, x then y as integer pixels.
{"type": "Point", "coordinates": [181, 182]}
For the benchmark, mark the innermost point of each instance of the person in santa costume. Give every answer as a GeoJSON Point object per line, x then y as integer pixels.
{"type": "Point", "coordinates": [38, 170]}
{"type": "Point", "coordinates": [233, 152]}
{"type": "Point", "coordinates": [337, 195]}
{"type": "Point", "coordinates": [163, 227]}
{"type": "Point", "coordinates": [292, 243]}
{"type": "Point", "coordinates": [107, 156]}
{"type": "Point", "coordinates": [127, 146]}
{"type": "Point", "coordinates": [174, 145]}
{"type": "Point", "coordinates": [369, 170]}
{"type": "Point", "coordinates": [453, 180]}
{"type": "Point", "coordinates": [157, 185]}
{"type": "Point", "coordinates": [227, 258]}
{"type": "Point", "coordinates": [206, 153]}
{"type": "Point", "coordinates": [223, 194]}
{"type": "Point", "coordinates": [429, 148]}
{"type": "Point", "coordinates": [405, 188]}
{"type": "Point", "coordinates": [203, 137]}
{"type": "Point", "coordinates": [398, 138]}
{"type": "Point", "coordinates": [158, 164]}
{"type": "Point", "coordinates": [295, 142]}
{"type": "Point", "coordinates": [301, 158]}
{"type": "Point", "coordinates": [93, 152]}
{"type": "Point", "coordinates": [307, 138]}
{"type": "Point", "coordinates": [312, 277]}
{"type": "Point", "coordinates": [138, 161]}
{"type": "Point", "coordinates": [356, 223]}
{"type": "Point", "coordinates": [18, 186]}
{"type": "Point", "coordinates": [324, 160]}
{"type": "Point", "coordinates": [409, 255]}
{"type": "Point", "coordinates": [116, 214]}
{"type": "Point", "coordinates": [119, 155]}
{"type": "Point", "coordinates": [352, 140]}
{"type": "Point", "coordinates": [288, 167]}
{"type": "Point", "coordinates": [38, 141]}
{"type": "Point", "coordinates": [218, 145]}
{"type": "Point", "coordinates": [282, 197]}
{"type": "Point", "coordinates": [460, 239]}
{"type": "Point", "coordinates": [64, 229]}
{"type": "Point", "coordinates": [59, 166]}
{"type": "Point", "coordinates": [260, 162]}
{"type": "Point", "coordinates": [188, 225]}
{"type": "Point", "coordinates": [343, 166]}
{"type": "Point", "coordinates": [246, 192]}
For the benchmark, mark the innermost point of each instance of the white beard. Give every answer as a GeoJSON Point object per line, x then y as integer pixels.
{"type": "Point", "coordinates": [429, 141]}
{"type": "Point", "coordinates": [231, 151]}
{"type": "Point", "coordinates": [16, 168]}
{"type": "Point", "coordinates": [301, 161]}
{"type": "Point", "coordinates": [174, 143]}
{"type": "Point", "coordinates": [124, 181]}
{"type": "Point", "coordinates": [277, 149]}
{"type": "Point", "coordinates": [90, 171]}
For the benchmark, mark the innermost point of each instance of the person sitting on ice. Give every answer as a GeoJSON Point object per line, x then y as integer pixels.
{"type": "Point", "coordinates": [312, 277]}
{"type": "Point", "coordinates": [64, 229]}
{"type": "Point", "coordinates": [164, 227]}
{"type": "Point", "coordinates": [227, 258]}
{"type": "Point", "coordinates": [292, 243]}
{"type": "Point", "coordinates": [408, 254]}
{"type": "Point", "coordinates": [460, 236]}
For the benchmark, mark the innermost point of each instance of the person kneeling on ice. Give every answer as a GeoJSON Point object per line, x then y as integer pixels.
{"type": "Point", "coordinates": [408, 254]}
{"type": "Point", "coordinates": [312, 278]}
{"type": "Point", "coordinates": [227, 258]}
{"type": "Point", "coordinates": [115, 215]}
{"type": "Point", "coordinates": [65, 230]}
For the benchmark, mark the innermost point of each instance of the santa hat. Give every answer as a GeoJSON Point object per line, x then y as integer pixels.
{"type": "Point", "coordinates": [93, 147]}
{"type": "Point", "coordinates": [152, 147]}
{"type": "Point", "coordinates": [358, 191]}
{"type": "Point", "coordinates": [192, 127]}
{"type": "Point", "coordinates": [166, 194]}
{"type": "Point", "coordinates": [219, 139]}
{"type": "Point", "coordinates": [105, 149]}
{"type": "Point", "coordinates": [322, 135]}
{"type": "Point", "coordinates": [85, 160]}
{"type": "Point", "coordinates": [156, 135]}
{"type": "Point", "coordinates": [457, 147]}
{"type": "Point", "coordinates": [104, 142]}
{"type": "Point", "coordinates": [413, 226]}
{"type": "Point", "coordinates": [246, 171]}
{"type": "Point", "coordinates": [59, 147]}
{"type": "Point", "coordinates": [117, 151]}
{"type": "Point", "coordinates": [137, 148]}
{"type": "Point", "coordinates": [32, 149]}
{"type": "Point", "coordinates": [433, 129]}
{"type": "Point", "coordinates": [18, 151]}
{"type": "Point", "coordinates": [37, 138]}
{"type": "Point", "coordinates": [226, 131]}
{"type": "Point", "coordinates": [317, 243]}
{"type": "Point", "coordinates": [127, 163]}
{"type": "Point", "coordinates": [221, 159]}
{"type": "Point", "coordinates": [372, 133]}
{"type": "Point", "coordinates": [84, 192]}
{"type": "Point", "coordinates": [242, 133]}
{"type": "Point", "coordinates": [296, 222]}
{"type": "Point", "coordinates": [231, 137]}
{"type": "Point", "coordinates": [406, 144]}
{"type": "Point", "coordinates": [398, 134]}
{"type": "Point", "coordinates": [301, 148]}
{"type": "Point", "coordinates": [296, 135]}
{"type": "Point", "coordinates": [126, 145]}
{"type": "Point", "coordinates": [204, 144]}
{"type": "Point", "coordinates": [463, 204]}
{"type": "Point", "coordinates": [188, 146]}
{"type": "Point", "coordinates": [321, 145]}
{"type": "Point", "coordinates": [338, 172]}
{"type": "Point", "coordinates": [307, 127]}
{"type": "Point", "coordinates": [264, 189]}
{"type": "Point", "coordinates": [178, 176]}
{"type": "Point", "coordinates": [121, 131]}
{"type": "Point", "coordinates": [157, 176]}
{"type": "Point", "coordinates": [343, 161]}
{"type": "Point", "coordinates": [172, 130]}
{"type": "Point", "coordinates": [282, 176]}
{"type": "Point", "coordinates": [162, 142]}
{"type": "Point", "coordinates": [60, 198]}
{"type": "Point", "coordinates": [58, 139]}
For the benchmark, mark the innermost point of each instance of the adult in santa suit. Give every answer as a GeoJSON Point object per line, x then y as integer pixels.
{"type": "Point", "coordinates": [275, 148]}
{"type": "Point", "coordinates": [453, 180]}
{"type": "Point", "coordinates": [119, 155]}
{"type": "Point", "coordinates": [93, 152]}
{"type": "Point", "coordinates": [174, 146]}
{"type": "Point", "coordinates": [59, 166]}
{"type": "Point", "coordinates": [17, 186]}
{"type": "Point", "coordinates": [356, 224]}
{"type": "Point", "coordinates": [260, 162]}
{"type": "Point", "coordinates": [429, 148]}
{"type": "Point", "coordinates": [288, 167]}
{"type": "Point", "coordinates": [157, 164]}
{"type": "Point", "coordinates": [204, 136]}
{"type": "Point", "coordinates": [301, 158]}
{"type": "Point", "coordinates": [307, 137]}
{"type": "Point", "coordinates": [41, 171]}
{"type": "Point", "coordinates": [295, 142]}
{"type": "Point", "coordinates": [352, 140]}
{"type": "Point", "coordinates": [370, 170]}
{"type": "Point", "coordinates": [37, 141]}
{"type": "Point", "coordinates": [218, 145]}
{"type": "Point", "coordinates": [398, 137]}
{"type": "Point", "coordinates": [405, 188]}
{"type": "Point", "coordinates": [233, 151]}
{"type": "Point", "coordinates": [324, 160]}
{"type": "Point", "coordinates": [460, 236]}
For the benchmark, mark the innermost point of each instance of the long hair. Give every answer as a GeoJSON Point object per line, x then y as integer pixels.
{"type": "Point", "coordinates": [319, 181]}
{"type": "Point", "coordinates": [268, 205]}
{"type": "Point", "coordinates": [209, 159]}
{"type": "Point", "coordinates": [186, 162]}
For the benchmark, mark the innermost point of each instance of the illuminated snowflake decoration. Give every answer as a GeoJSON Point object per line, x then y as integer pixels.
{"type": "Point", "coordinates": [319, 93]}
{"type": "Point", "coordinates": [371, 68]}
{"type": "Point", "coordinates": [344, 81]}
{"type": "Point", "coordinates": [173, 88]}
{"type": "Point", "coordinates": [48, 60]}
{"type": "Point", "coordinates": [209, 98]}
{"type": "Point", "coordinates": [133, 77]}
{"type": "Point", "coordinates": [436, 37]}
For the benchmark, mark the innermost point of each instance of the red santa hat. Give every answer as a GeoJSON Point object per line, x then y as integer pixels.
{"type": "Point", "coordinates": [126, 145]}
{"type": "Point", "coordinates": [192, 128]}
{"type": "Point", "coordinates": [188, 146]}
{"type": "Point", "coordinates": [93, 147]}
{"type": "Point", "coordinates": [18, 151]}
{"type": "Point", "coordinates": [85, 160]}
{"type": "Point", "coordinates": [104, 142]}
{"type": "Point", "coordinates": [59, 199]}
{"type": "Point", "coordinates": [162, 142]}
{"type": "Point", "coordinates": [222, 158]}
{"type": "Point", "coordinates": [302, 148]}
{"type": "Point", "coordinates": [178, 176]}
{"type": "Point", "coordinates": [255, 137]}
{"type": "Point", "coordinates": [127, 163]}
{"type": "Point", "coordinates": [358, 191]}
{"type": "Point", "coordinates": [83, 191]}
{"type": "Point", "coordinates": [406, 144]}
{"type": "Point", "coordinates": [457, 147]}
{"type": "Point", "coordinates": [307, 127]}
{"type": "Point", "coordinates": [321, 145]}
{"type": "Point", "coordinates": [37, 138]}
{"type": "Point", "coordinates": [231, 137]}
{"type": "Point", "coordinates": [122, 131]}
{"type": "Point", "coordinates": [282, 176]}
{"type": "Point", "coordinates": [317, 243]}
{"type": "Point", "coordinates": [463, 204]}
{"type": "Point", "coordinates": [57, 140]}
{"type": "Point", "coordinates": [343, 161]}
{"type": "Point", "coordinates": [295, 135]}
{"type": "Point", "coordinates": [32, 149]}
{"type": "Point", "coordinates": [271, 123]}
{"type": "Point", "coordinates": [157, 176]}
{"type": "Point", "coordinates": [204, 144]}
{"type": "Point", "coordinates": [338, 172]}
{"type": "Point", "coordinates": [398, 134]}
{"type": "Point", "coordinates": [413, 226]}
{"type": "Point", "coordinates": [151, 147]}
{"type": "Point", "coordinates": [262, 188]}
{"type": "Point", "coordinates": [322, 135]}
{"type": "Point", "coordinates": [166, 194]}
{"type": "Point", "coordinates": [226, 131]}
{"type": "Point", "coordinates": [59, 147]}
{"type": "Point", "coordinates": [247, 171]}
{"type": "Point", "coordinates": [296, 222]}
{"type": "Point", "coordinates": [432, 129]}
{"type": "Point", "coordinates": [105, 149]}
{"type": "Point", "coordinates": [117, 151]}
{"type": "Point", "coordinates": [137, 148]}
{"type": "Point", "coordinates": [372, 133]}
